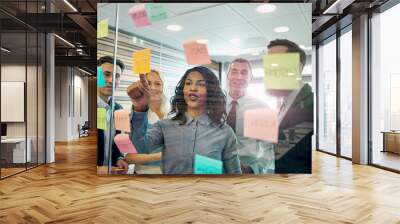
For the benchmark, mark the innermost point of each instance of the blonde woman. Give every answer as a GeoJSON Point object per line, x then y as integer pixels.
{"type": "Point", "coordinates": [147, 162]}
{"type": "Point", "coordinates": [159, 105]}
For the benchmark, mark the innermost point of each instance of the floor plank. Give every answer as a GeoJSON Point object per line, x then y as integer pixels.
{"type": "Point", "coordinates": [69, 191]}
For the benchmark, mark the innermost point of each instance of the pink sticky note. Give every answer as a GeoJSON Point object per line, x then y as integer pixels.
{"type": "Point", "coordinates": [196, 53]}
{"type": "Point", "coordinates": [139, 15]}
{"type": "Point", "coordinates": [261, 124]}
{"type": "Point", "coordinates": [122, 121]}
{"type": "Point", "coordinates": [124, 144]}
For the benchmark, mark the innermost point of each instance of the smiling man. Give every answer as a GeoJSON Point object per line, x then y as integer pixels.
{"type": "Point", "coordinates": [104, 95]}
{"type": "Point", "coordinates": [256, 157]}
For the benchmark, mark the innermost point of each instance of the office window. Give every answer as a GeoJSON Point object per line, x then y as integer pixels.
{"type": "Point", "coordinates": [327, 96]}
{"type": "Point", "coordinates": [346, 94]}
{"type": "Point", "coordinates": [385, 84]}
{"type": "Point", "coordinates": [22, 91]}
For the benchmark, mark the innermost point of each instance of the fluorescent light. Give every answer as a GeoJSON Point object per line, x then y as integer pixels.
{"type": "Point", "coordinates": [334, 5]}
{"type": "Point", "coordinates": [266, 8]}
{"type": "Point", "coordinates": [235, 41]}
{"type": "Point", "coordinates": [255, 53]}
{"type": "Point", "coordinates": [290, 73]}
{"type": "Point", "coordinates": [5, 50]}
{"type": "Point", "coordinates": [174, 28]}
{"type": "Point", "coordinates": [86, 72]}
{"type": "Point", "coordinates": [70, 5]}
{"type": "Point", "coordinates": [281, 29]}
{"type": "Point", "coordinates": [65, 41]}
{"type": "Point", "coordinates": [202, 41]}
{"type": "Point", "coordinates": [274, 65]}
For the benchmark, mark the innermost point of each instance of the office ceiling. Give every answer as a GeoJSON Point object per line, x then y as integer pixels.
{"type": "Point", "coordinates": [219, 23]}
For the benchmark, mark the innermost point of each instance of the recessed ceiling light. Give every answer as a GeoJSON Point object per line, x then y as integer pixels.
{"type": "Point", "coordinates": [202, 41]}
{"type": "Point", "coordinates": [281, 29]}
{"type": "Point", "coordinates": [235, 41]}
{"type": "Point", "coordinates": [266, 8]}
{"type": "Point", "coordinates": [274, 65]}
{"type": "Point", "coordinates": [290, 73]}
{"type": "Point", "coordinates": [174, 28]}
{"type": "Point", "coordinates": [255, 53]}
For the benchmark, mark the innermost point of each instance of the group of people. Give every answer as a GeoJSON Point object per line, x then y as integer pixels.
{"type": "Point", "coordinates": [200, 119]}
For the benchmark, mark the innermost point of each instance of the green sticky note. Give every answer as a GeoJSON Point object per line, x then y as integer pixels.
{"type": "Point", "coordinates": [205, 165]}
{"type": "Point", "coordinates": [282, 71]}
{"type": "Point", "coordinates": [101, 118]}
{"type": "Point", "coordinates": [156, 12]}
{"type": "Point", "coordinates": [102, 28]}
{"type": "Point", "coordinates": [100, 78]}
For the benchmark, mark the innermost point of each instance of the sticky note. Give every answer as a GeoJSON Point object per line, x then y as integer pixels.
{"type": "Point", "coordinates": [281, 71]}
{"type": "Point", "coordinates": [124, 144]}
{"type": "Point", "coordinates": [139, 15]}
{"type": "Point", "coordinates": [101, 82]}
{"type": "Point", "coordinates": [101, 118]}
{"type": "Point", "coordinates": [261, 124]}
{"type": "Point", "coordinates": [122, 121]}
{"type": "Point", "coordinates": [102, 28]}
{"type": "Point", "coordinates": [141, 61]}
{"type": "Point", "coordinates": [206, 165]}
{"type": "Point", "coordinates": [196, 53]}
{"type": "Point", "coordinates": [156, 12]}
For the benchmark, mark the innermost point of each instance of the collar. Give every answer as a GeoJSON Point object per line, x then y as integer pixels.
{"type": "Point", "coordinates": [203, 119]}
{"type": "Point", "coordinates": [240, 101]}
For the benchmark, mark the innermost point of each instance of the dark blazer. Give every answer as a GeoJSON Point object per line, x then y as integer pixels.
{"type": "Point", "coordinates": [298, 119]}
{"type": "Point", "coordinates": [100, 144]}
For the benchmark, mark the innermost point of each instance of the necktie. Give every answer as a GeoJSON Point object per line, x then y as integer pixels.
{"type": "Point", "coordinates": [231, 119]}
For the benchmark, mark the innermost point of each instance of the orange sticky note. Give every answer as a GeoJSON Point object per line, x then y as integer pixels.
{"type": "Point", "coordinates": [141, 61]}
{"type": "Point", "coordinates": [124, 144]}
{"type": "Point", "coordinates": [122, 121]}
{"type": "Point", "coordinates": [196, 53]}
{"type": "Point", "coordinates": [261, 124]}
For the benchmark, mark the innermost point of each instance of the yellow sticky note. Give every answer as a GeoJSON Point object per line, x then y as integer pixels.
{"type": "Point", "coordinates": [101, 118]}
{"type": "Point", "coordinates": [282, 71]}
{"type": "Point", "coordinates": [102, 28]}
{"type": "Point", "coordinates": [141, 61]}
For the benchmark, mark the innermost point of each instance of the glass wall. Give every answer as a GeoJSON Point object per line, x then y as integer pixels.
{"type": "Point", "coordinates": [385, 88]}
{"type": "Point", "coordinates": [327, 96]}
{"type": "Point", "coordinates": [346, 93]}
{"type": "Point", "coordinates": [22, 89]}
{"type": "Point", "coordinates": [171, 38]}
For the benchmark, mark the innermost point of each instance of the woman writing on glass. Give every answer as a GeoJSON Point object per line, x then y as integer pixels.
{"type": "Point", "coordinates": [197, 125]}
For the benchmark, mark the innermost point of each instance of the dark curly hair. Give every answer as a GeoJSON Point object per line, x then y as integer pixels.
{"type": "Point", "coordinates": [216, 99]}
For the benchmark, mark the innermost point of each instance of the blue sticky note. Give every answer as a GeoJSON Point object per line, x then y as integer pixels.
{"type": "Point", "coordinates": [100, 78]}
{"type": "Point", "coordinates": [205, 165]}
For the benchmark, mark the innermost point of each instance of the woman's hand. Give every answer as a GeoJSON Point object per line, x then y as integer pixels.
{"type": "Point", "coordinates": [142, 158]}
{"type": "Point", "coordinates": [139, 92]}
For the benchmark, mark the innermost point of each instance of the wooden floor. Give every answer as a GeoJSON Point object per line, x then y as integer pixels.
{"type": "Point", "coordinates": [69, 191]}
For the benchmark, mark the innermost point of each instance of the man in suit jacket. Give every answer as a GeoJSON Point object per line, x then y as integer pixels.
{"type": "Point", "coordinates": [104, 95]}
{"type": "Point", "coordinates": [293, 153]}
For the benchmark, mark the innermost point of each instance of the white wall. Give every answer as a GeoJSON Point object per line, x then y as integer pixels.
{"type": "Point", "coordinates": [71, 94]}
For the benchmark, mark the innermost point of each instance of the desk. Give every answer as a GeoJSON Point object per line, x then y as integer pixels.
{"type": "Point", "coordinates": [17, 150]}
{"type": "Point", "coordinates": [391, 141]}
